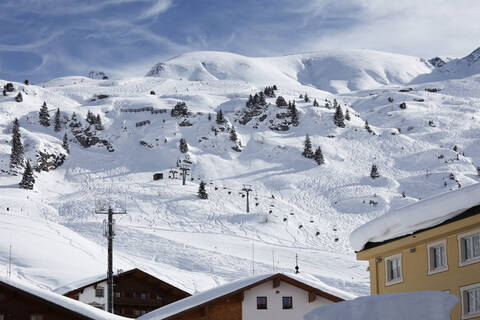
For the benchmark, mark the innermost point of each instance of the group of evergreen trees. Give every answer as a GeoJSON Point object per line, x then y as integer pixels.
{"type": "Point", "coordinates": [179, 110]}
{"type": "Point", "coordinates": [183, 146]}
{"type": "Point", "coordinates": [96, 121]}
{"type": "Point", "coordinates": [257, 99]}
{"type": "Point", "coordinates": [17, 159]}
{"type": "Point", "coordinates": [309, 154]}
{"type": "Point", "coordinates": [270, 91]}
{"type": "Point", "coordinates": [220, 119]}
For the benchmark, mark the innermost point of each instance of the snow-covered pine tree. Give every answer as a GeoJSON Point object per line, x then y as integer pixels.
{"type": "Point", "coordinates": [315, 103]}
{"type": "Point", "coordinates": [367, 127]}
{"type": "Point", "coordinates": [65, 143]}
{"type": "Point", "coordinates": [74, 122]}
{"type": "Point", "coordinates": [19, 97]}
{"type": "Point", "coordinates": [293, 113]}
{"type": "Point", "coordinates": [98, 123]}
{"type": "Point", "coordinates": [262, 102]}
{"type": "Point", "coordinates": [90, 117]}
{"type": "Point", "coordinates": [202, 192]}
{"type": "Point", "coordinates": [280, 102]}
{"type": "Point", "coordinates": [318, 156]}
{"type": "Point", "coordinates": [28, 180]}
{"type": "Point", "coordinates": [220, 119]}
{"type": "Point", "coordinates": [16, 156]}
{"type": "Point", "coordinates": [43, 116]}
{"type": "Point", "coordinates": [233, 135]}
{"type": "Point", "coordinates": [306, 98]}
{"type": "Point", "coordinates": [347, 114]}
{"type": "Point", "coordinates": [374, 172]}
{"type": "Point", "coordinates": [307, 148]}
{"type": "Point", "coordinates": [57, 123]}
{"type": "Point", "coordinates": [339, 118]}
{"type": "Point", "coordinates": [183, 146]}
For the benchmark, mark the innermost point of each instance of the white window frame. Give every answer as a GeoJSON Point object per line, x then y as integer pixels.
{"type": "Point", "coordinates": [462, 294]}
{"type": "Point", "coordinates": [399, 280]}
{"type": "Point", "coordinates": [462, 262]}
{"type": "Point", "coordinates": [430, 246]}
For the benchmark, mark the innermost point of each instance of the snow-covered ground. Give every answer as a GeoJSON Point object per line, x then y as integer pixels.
{"type": "Point", "coordinates": [297, 207]}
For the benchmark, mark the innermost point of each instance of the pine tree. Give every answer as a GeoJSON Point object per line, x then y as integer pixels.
{"type": "Point", "coordinates": [209, 117]}
{"type": "Point", "coordinates": [220, 118]}
{"type": "Point", "coordinates": [339, 118]}
{"type": "Point", "coordinates": [90, 117]}
{"type": "Point", "coordinates": [374, 172]}
{"type": "Point", "coordinates": [306, 98]}
{"type": "Point", "coordinates": [57, 122]}
{"type": "Point", "coordinates": [262, 102]}
{"type": "Point", "coordinates": [233, 135]}
{"type": "Point", "coordinates": [315, 103]}
{"type": "Point", "coordinates": [280, 102]}
{"type": "Point", "coordinates": [202, 193]}
{"type": "Point", "coordinates": [98, 123]}
{"type": "Point", "coordinates": [367, 127]}
{"type": "Point", "coordinates": [16, 156]}
{"type": "Point", "coordinates": [318, 156]}
{"type": "Point", "coordinates": [293, 113]}
{"type": "Point", "coordinates": [74, 122]}
{"type": "Point", "coordinates": [19, 97]}
{"type": "Point", "coordinates": [183, 146]}
{"type": "Point", "coordinates": [65, 143]}
{"type": "Point", "coordinates": [28, 180]}
{"type": "Point", "coordinates": [347, 115]}
{"type": "Point", "coordinates": [307, 148]}
{"type": "Point", "coordinates": [43, 115]}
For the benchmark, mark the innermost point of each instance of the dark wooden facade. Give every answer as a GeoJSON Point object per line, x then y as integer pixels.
{"type": "Point", "coordinates": [17, 304]}
{"type": "Point", "coordinates": [137, 292]}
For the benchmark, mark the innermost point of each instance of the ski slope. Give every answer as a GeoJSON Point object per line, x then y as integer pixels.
{"type": "Point", "coordinates": [297, 207]}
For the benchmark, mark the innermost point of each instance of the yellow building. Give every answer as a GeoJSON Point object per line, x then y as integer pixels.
{"type": "Point", "coordinates": [430, 245]}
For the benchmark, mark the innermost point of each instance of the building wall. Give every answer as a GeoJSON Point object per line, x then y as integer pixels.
{"type": "Point", "coordinates": [228, 309]}
{"type": "Point", "coordinates": [415, 263]}
{"type": "Point", "coordinates": [88, 295]}
{"type": "Point", "coordinates": [274, 310]}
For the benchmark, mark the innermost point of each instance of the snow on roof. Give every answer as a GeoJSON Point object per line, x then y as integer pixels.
{"type": "Point", "coordinates": [418, 216]}
{"type": "Point", "coordinates": [427, 305]}
{"type": "Point", "coordinates": [103, 277]}
{"type": "Point", "coordinates": [217, 292]}
{"type": "Point", "coordinates": [67, 303]}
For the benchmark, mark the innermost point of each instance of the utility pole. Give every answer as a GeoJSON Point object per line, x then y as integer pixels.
{"type": "Point", "coordinates": [184, 170]}
{"type": "Point", "coordinates": [247, 188]}
{"type": "Point", "coordinates": [109, 234]}
{"type": "Point", "coordinates": [296, 264]}
{"type": "Point", "coordinates": [9, 270]}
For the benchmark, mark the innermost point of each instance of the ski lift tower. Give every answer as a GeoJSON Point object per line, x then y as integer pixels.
{"type": "Point", "coordinates": [109, 208]}
{"type": "Point", "coordinates": [184, 167]}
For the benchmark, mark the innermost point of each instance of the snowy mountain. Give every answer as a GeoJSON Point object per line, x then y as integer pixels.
{"type": "Point", "coordinates": [334, 71]}
{"type": "Point", "coordinates": [423, 139]}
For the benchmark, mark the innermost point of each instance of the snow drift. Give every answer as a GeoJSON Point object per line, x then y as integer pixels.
{"type": "Point", "coordinates": [429, 305]}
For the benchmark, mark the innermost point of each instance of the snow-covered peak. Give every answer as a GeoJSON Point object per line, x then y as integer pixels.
{"type": "Point", "coordinates": [332, 70]}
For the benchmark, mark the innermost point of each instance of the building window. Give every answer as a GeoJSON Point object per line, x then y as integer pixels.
{"type": "Point", "coordinates": [469, 247]}
{"type": "Point", "coordinates": [393, 268]}
{"type": "Point", "coordinates": [36, 317]}
{"type": "Point", "coordinates": [2, 317]}
{"type": "Point", "coordinates": [99, 292]}
{"type": "Point", "coordinates": [437, 257]}
{"type": "Point", "coordinates": [470, 301]}
{"type": "Point", "coordinates": [137, 312]}
{"type": "Point", "coordinates": [287, 302]}
{"type": "Point", "coordinates": [117, 294]}
{"type": "Point", "coordinates": [117, 311]}
{"type": "Point", "coordinates": [261, 303]}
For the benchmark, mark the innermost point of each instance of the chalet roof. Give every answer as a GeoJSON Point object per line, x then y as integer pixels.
{"type": "Point", "coordinates": [79, 285]}
{"type": "Point", "coordinates": [59, 300]}
{"type": "Point", "coordinates": [443, 208]}
{"type": "Point", "coordinates": [233, 288]}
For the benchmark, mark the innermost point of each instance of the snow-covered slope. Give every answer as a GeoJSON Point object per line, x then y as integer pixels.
{"type": "Point", "coordinates": [334, 71]}
{"type": "Point", "coordinates": [296, 206]}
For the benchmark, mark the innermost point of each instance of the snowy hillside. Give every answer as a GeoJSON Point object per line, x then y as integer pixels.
{"type": "Point", "coordinates": [423, 139]}
{"type": "Point", "coordinates": [333, 71]}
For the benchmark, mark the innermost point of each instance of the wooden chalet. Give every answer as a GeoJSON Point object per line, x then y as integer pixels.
{"type": "Point", "coordinates": [135, 293]}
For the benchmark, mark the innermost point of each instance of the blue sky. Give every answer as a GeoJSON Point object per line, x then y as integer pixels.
{"type": "Point", "coordinates": [43, 39]}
